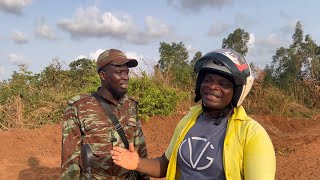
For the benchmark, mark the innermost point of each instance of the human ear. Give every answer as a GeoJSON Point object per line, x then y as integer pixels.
{"type": "Point", "coordinates": [102, 75]}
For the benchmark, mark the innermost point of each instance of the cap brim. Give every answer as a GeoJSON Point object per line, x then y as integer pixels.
{"type": "Point", "coordinates": [129, 62]}
{"type": "Point", "coordinates": [132, 63]}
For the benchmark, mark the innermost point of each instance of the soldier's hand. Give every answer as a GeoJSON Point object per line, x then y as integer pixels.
{"type": "Point", "coordinates": [125, 158]}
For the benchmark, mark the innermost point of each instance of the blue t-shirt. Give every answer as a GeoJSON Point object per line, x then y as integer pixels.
{"type": "Point", "coordinates": [200, 153]}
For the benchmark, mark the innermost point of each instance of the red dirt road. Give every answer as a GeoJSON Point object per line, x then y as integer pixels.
{"type": "Point", "coordinates": [35, 154]}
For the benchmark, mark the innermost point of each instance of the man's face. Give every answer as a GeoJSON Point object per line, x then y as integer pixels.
{"type": "Point", "coordinates": [216, 91]}
{"type": "Point", "coordinates": [115, 78]}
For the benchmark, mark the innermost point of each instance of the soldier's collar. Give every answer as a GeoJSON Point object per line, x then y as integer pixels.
{"type": "Point", "coordinates": [120, 101]}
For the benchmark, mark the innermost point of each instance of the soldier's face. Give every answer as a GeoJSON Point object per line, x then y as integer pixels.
{"type": "Point", "coordinates": [115, 78]}
{"type": "Point", "coordinates": [216, 91]}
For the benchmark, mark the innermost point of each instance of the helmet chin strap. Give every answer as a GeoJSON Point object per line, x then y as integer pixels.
{"type": "Point", "coordinates": [226, 112]}
{"type": "Point", "coordinates": [203, 104]}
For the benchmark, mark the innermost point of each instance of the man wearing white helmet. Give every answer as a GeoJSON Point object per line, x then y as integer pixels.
{"type": "Point", "coordinates": [216, 140]}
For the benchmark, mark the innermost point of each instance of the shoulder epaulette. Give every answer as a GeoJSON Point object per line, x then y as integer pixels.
{"type": "Point", "coordinates": [77, 98]}
{"type": "Point", "coordinates": [132, 99]}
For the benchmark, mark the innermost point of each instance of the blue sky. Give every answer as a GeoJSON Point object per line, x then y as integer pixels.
{"type": "Point", "coordinates": [34, 32]}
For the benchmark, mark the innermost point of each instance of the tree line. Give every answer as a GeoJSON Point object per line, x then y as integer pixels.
{"type": "Point", "coordinates": [289, 85]}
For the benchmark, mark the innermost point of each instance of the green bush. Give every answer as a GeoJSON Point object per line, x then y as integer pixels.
{"type": "Point", "coordinates": [154, 98]}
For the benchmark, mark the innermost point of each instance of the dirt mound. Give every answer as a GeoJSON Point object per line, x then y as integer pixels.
{"type": "Point", "coordinates": [35, 154]}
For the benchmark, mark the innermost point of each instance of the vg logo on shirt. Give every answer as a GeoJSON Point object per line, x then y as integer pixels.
{"type": "Point", "coordinates": [195, 152]}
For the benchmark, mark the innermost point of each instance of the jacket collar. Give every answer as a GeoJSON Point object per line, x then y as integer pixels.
{"type": "Point", "coordinates": [239, 113]}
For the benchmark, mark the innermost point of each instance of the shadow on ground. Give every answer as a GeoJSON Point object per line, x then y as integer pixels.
{"type": "Point", "coordinates": [36, 171]}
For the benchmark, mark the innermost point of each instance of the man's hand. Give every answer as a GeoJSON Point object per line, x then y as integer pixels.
{"type": "Point", "coordinates": [128, 159]}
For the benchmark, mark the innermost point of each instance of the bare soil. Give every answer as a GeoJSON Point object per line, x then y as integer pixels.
{"type": "Point", "coordinates": [35, 154]}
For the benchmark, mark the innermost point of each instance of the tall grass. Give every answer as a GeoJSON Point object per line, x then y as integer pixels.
{"type": "Point", "coordinates": [270, 100]}
{"type": "Point", "coordinates": [30, 100]}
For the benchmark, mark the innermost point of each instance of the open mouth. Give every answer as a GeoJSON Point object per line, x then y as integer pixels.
{"type": "Point", "coordinates": [124, 85]}
{"type": "Point", "coordinates": [212, 97]}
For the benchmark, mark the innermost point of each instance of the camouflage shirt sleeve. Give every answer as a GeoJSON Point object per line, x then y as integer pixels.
{"type": "Point", "coordinates": [71, 144]}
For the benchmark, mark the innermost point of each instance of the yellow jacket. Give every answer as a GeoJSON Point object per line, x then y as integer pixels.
{"type": "Point", "coordinates": [248, 151]}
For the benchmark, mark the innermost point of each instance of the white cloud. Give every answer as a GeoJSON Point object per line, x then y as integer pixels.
{"type": "Point", "coordinates": [191, 50]}
{"type": "Point", "coordinates": [133, 55]}
{"type": "Point", "coordinates": [92, 55]}
{"type": "Point", "coordinates": [155, 27]}
{"type": "Point", "coordinates": [44, 31]}
{"type": "Point", "coordinates": [95, 55]}
{"type": "Point", "coordinates": [14, 6]}
{"type": "Point", "coordinates": [19, 37]}
{"type": "Point", "coordinates": [252, 39]}
{"type": "Point", "coordinates": [264, 48]}
{"type": "Point", "coordinates": [91, 22]}
{"type": "Point", "coordinates": [144, 64]}
{"type": "Point", "coordinates": [218, 29]}
{"type": "Point", "coordinates": [196, 5]}
{"type": "Point", "coordinates": [18, 60]}
{"type": "Point", "coordinates": [81, 57]}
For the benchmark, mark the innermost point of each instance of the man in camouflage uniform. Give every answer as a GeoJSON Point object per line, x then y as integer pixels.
{"type": "Point", "coordinates": [86, 122]}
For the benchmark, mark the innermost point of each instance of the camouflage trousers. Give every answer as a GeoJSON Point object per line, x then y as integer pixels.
{"type": "Point", "coordinates": [133, 175]}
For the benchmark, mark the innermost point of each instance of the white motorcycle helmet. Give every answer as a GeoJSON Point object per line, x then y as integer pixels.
{"type": "Point", "coordinates": [229, 64]}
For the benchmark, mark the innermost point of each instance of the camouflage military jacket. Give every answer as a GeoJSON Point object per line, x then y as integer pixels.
{"type": "Point", "coordinates": [85, 121]}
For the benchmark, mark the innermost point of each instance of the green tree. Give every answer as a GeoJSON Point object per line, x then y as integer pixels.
{"type": "Point", "coordinates": [83, 65]}
{"type": "Point", "coordinates": [297, 36]}
{"type": "Point", "coordinates": [175, 54]}
{"type": "Point", "coordinates": [83, 73]}
{"type": "Point", "coordinates": [174, 66]}
{"type": "Point", "coordinates": [288, 63]}
{"type": "Point", "coordinates": [196, 56]}
{"type": "Point", "coordinates": [268, 78]}
{"type": "Point", "coordinates": [54, 76]}
{"type": "Point", "coordinates": [279, 66]}
{"type": "Point", "coordinates": [237, 41]}
{"type": "Point", "coordinates": [296, 69]}
{"type": "Point", "coordinates": [296, 48]}
{"type": "Point", "coordinates": [20, 84]}
{"type": "Point", "coordinates": [311, 53]}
